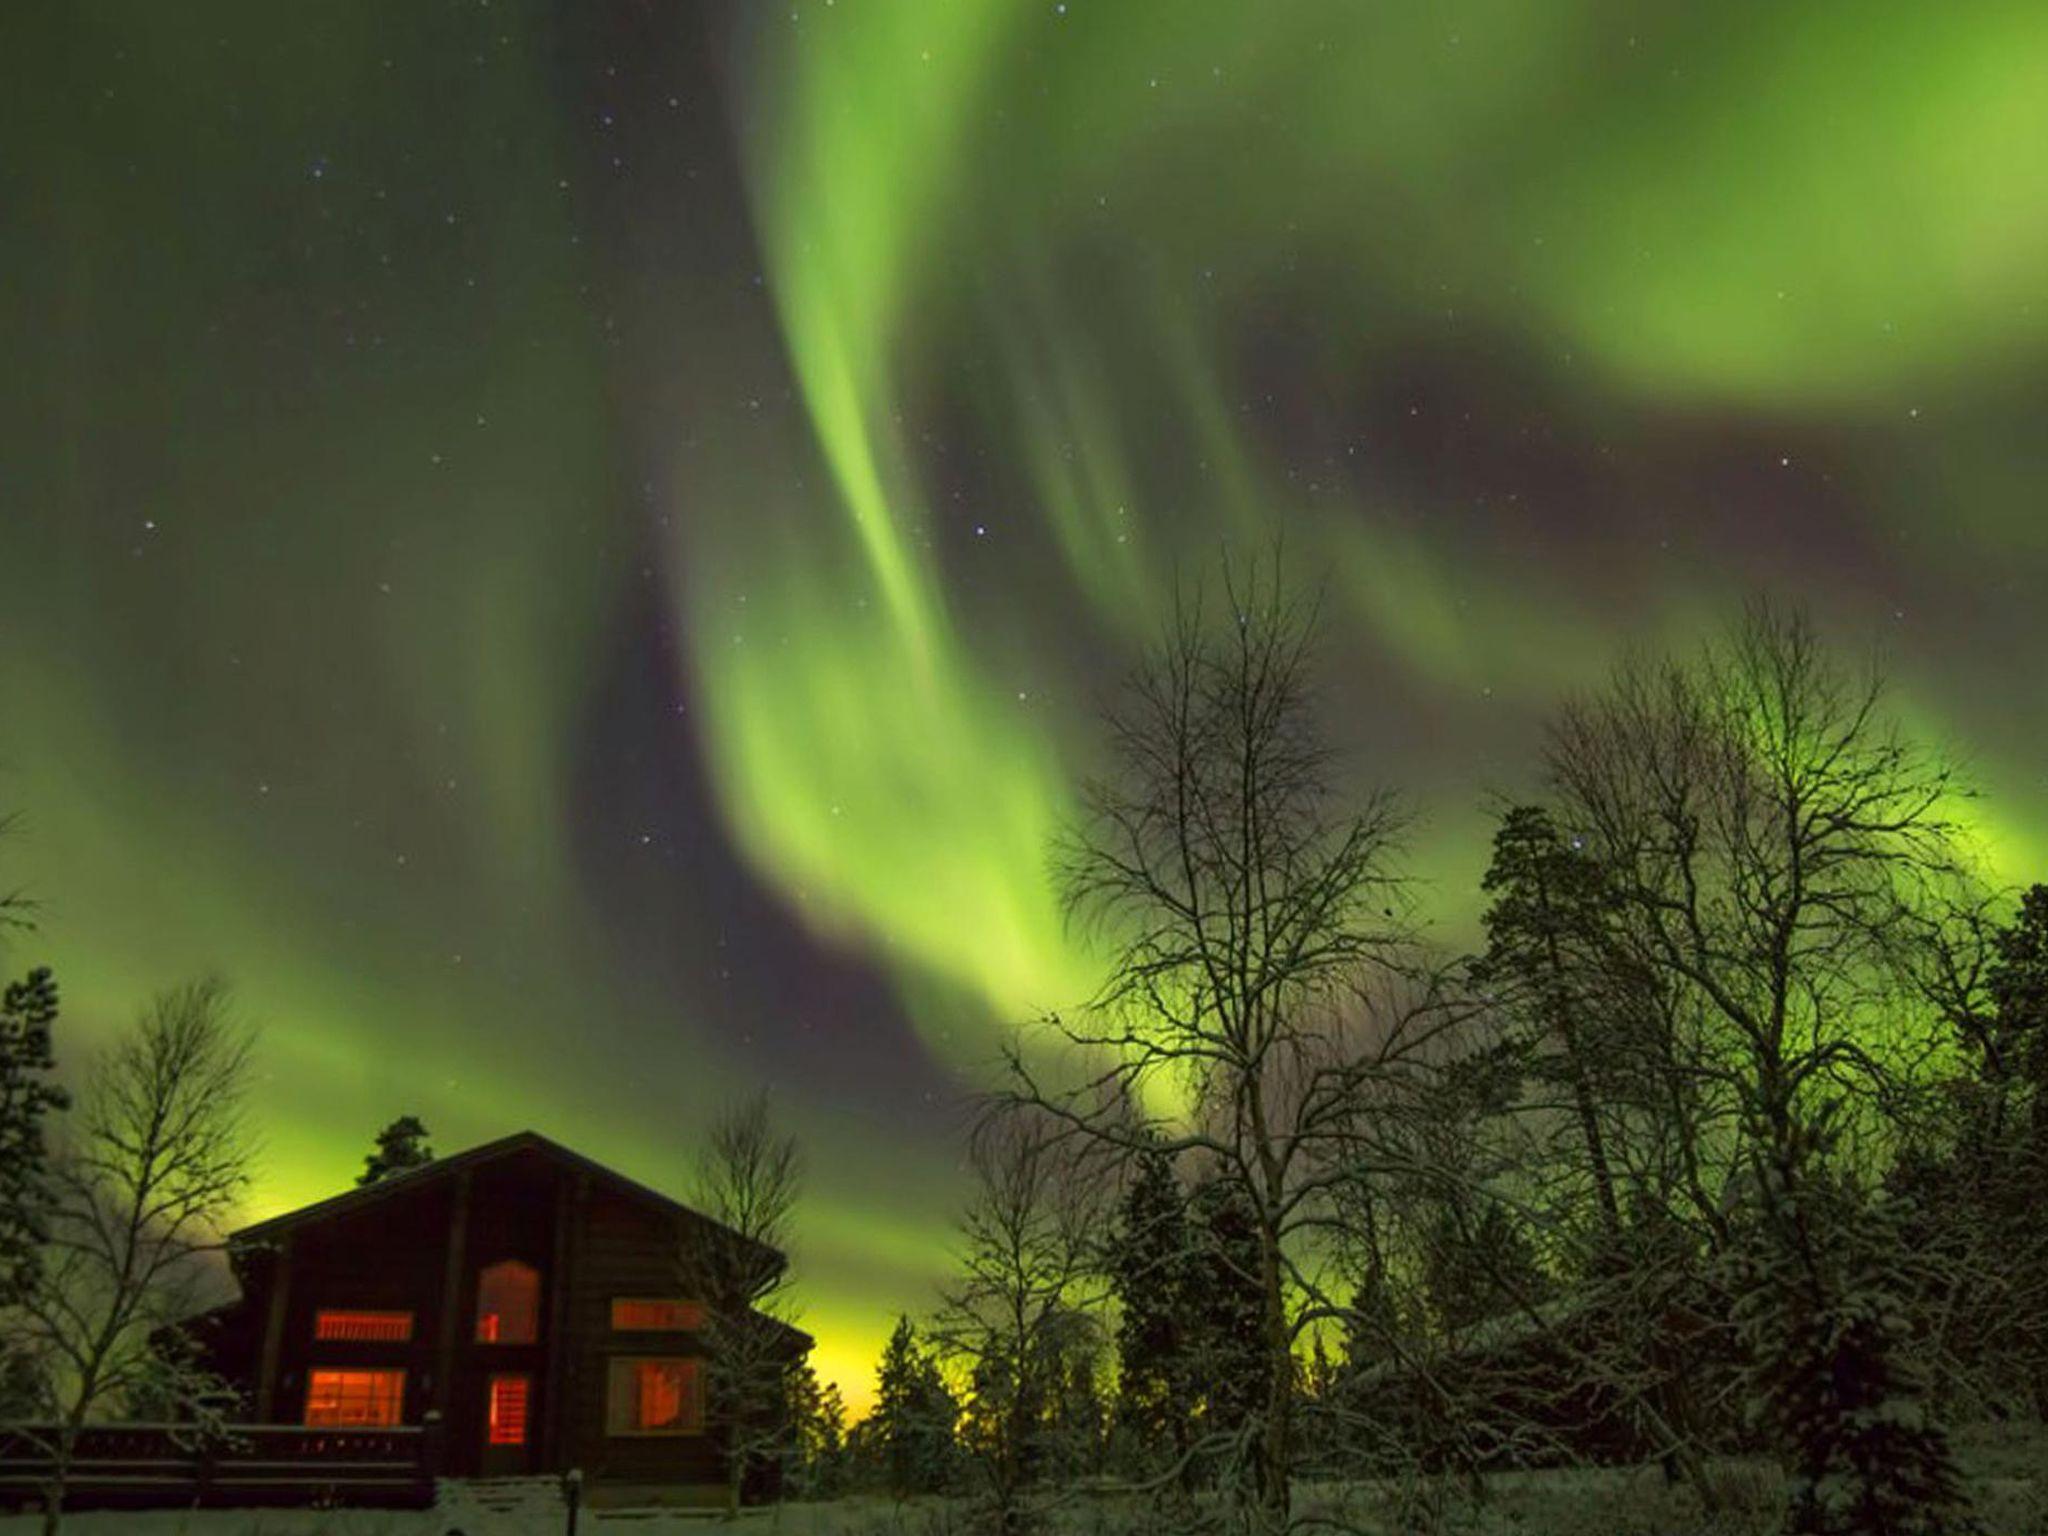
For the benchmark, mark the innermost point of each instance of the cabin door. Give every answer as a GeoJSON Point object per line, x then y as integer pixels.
{"type": "Point", "coordinates": [508, 1397]}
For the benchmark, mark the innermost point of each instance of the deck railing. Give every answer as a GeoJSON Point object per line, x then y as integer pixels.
{"type": "Point", "coordinates": [164, 1465]}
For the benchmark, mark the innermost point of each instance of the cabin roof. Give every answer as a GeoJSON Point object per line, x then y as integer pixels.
{"type": "Point", "coordinates": [350, 1201]}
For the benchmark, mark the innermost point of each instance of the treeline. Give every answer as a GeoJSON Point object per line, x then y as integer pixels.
{"type": "Point", "coordinates": [1729, 1141]}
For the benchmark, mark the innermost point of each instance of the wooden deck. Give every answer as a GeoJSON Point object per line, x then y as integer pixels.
{"type": "Point", "coordinates": [175, 1465]}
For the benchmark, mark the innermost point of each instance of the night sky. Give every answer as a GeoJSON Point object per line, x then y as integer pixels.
{"type": "Point", "coordinates": [574, 550]}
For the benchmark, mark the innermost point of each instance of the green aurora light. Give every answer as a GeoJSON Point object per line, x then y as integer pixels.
{"type": "Point", "coordinates": [574, 554]}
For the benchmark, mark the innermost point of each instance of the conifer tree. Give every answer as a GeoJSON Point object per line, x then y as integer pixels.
{"type": "Point", "coordinates": [1150, 1279]}
{"type": "Point", "coordinates": [1231, 1368]}
{"type": "Point", "coordinates": [2018, 983]}
{"type": "Point", "coordinates": [401, 1147]}
{"type": "Point", "coordinates": [912, 1426]}
{"type": "Point", "coordinates": [28, 1010]}
{"type": "Point", "coordinates": [816, 1451]}
{"type": "Point", "coordinates": [1544, 957]}
{"type": "Point", "coordinates": [1839, 1383]}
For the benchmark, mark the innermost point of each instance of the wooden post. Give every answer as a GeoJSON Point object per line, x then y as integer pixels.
{"type": "Point", "coordinates": [273, 1329]}
{"type": "Point", "coordinates": [451, 1296]}
{"type": "Point", "coordinates": [568, 1205]}
{"type": "Point", "coordinates": [433, 1448]}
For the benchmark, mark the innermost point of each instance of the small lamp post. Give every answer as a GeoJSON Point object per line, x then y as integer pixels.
{"type": "Point", "coordinates": [572, 1495]}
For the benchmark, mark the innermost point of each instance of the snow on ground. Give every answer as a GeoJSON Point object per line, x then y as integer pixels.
{"type": "Point", "coordinates": [852, 1517]}
{"type": "Point", "coordinates": [2006, 1469]}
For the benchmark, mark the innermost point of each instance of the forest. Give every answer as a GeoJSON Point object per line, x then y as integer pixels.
{"type": "Point", "coordinates": [1713, 1168]}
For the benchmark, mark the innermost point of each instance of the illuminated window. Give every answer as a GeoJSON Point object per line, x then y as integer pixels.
{"type": "Point", "coordinates": [366, 1327]}
{"type": "Point", "coordinates": [508, 1304]}
{"type": "Point", "coordinates": [508, 1410]}
{"type": "Point", "coordinates": [655, 1314]}
{"type": "Point", "coordinates": [373, 1399]}
{"type": "Point", "coordinates": [653, 1397]}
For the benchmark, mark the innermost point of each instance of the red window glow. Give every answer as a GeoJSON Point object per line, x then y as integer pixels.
{"type": "Point", "coordinates": [508, 1410]}
{"type": "Point", "coordinates": [354, 1399]}
{"type": "Point", "coordinates": [508, 1304]}
{"type": "Point", "coordinates": [661, 1396]}
{"type": "Point", "coordinates": [365, 1327]}
{"type": "Point", "coordinates": [655, 1314]}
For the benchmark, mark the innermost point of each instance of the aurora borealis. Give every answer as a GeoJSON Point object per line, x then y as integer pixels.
{"type": "Point", "coordinates": [573, 551]}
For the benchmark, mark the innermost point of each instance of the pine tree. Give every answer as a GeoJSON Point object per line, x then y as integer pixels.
{"type": "Point", "coordinates": [816, 1451]}
{"type": "Point", "coordinates": [912, 1425]}
{"type": "Point", "coordinates": [28, 1010]}
{"type": "Point", "coordinates": [2018, 984]}
{"type": "Point", "coordinates": [1479, 1264]}
{"type": "Point", "coordinates": [1230, 1365]}
{"type": "Point", "coordinates": [1828, 1322]}
{"type": "Point", "coordinates": [1149, 1276]}
{"type": "Point", "coordinates": [1544, 957]}
{"type": "Point", "coordinates": [401, 1147]}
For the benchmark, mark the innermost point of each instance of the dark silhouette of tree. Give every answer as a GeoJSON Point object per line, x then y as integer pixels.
{"type": "Point", "coordinates": [1149, 1269]}
{"type": "Point", "coordinates": [151, 1169]}
{"type": "Point", "coordinates": [1479, 1263]}
{"type": "Point", "coordinates": [1762, 825]}
{"type": "Point", "coordinates": [401, 1146]}
{"type": "Point", "coordinates": [1015, 1313]}
{"type": "Point", "coordinates": [910, 1432]}
{"type": "Point", "coordinates": [748, 1178]}
{"type": "Point", "coordinates": [1254, 964]}
{"type": "Point", "coordinates": [1974, 1153]}
{"type": "Point", "coordinates": [1545, 961]}
{"type": "Point", "coordinates": [2017, 980]}
{"type": "Point", "coordinates": [1839, 1379]}
{"type": "Point", "coordinates": [815, 1457]}
{"type": "Point", "coordinates": [28, 1010]}
{"type": "Point", "coordinates": [1230, 1365]}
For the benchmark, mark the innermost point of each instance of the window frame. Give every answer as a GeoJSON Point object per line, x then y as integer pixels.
{"type": "Point", "coordinates": [691, 1314]}
{"type": "Point", "coordinates": [693, 1397]}
{"type": "Point", "coordinates": [491, 1407]}
{"type": "Point", "coordinates": [397, 1397]}
{"type": "Point", "coordinates": [477, 1335]}
{"type": "Point", "coordinates": [321, 1315]}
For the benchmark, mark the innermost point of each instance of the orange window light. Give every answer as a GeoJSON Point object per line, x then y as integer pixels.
{"type": "Point", "coordinates": [508, 1410]}
{"type": "Point", "coordinates": [655, 1314]}
{"type": "Point", "coordinates": [661, 1394]}
{"type": "Point", "coordinates": [354, 1399]}
{"type": "Point", "coordinates": [332, 1323]}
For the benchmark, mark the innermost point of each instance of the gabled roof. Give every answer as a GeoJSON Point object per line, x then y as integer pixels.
{"type": "Point", "coordinates": [411, 1180]}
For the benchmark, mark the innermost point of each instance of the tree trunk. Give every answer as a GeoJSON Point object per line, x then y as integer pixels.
{"type": "Point", "coordinates": [1276, 1449]}
{"type": "Point", "coordinates": [59, 1483]}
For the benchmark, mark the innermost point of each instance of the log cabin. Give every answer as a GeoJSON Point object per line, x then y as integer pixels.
{"type": "Point", "coordinates": [533, 1299]}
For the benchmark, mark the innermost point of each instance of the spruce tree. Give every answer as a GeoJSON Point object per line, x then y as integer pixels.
{"type": "Point", "coordinates": [1479, 1264]}
{"type": "Point", "coordinates": [1149, 1275]}
{"type": "Point", "coordinates": [28, 1010]}
{"type": "Point", "coordinates": [1545, 962]}
{"type": "Point", "coordinates": [2018, 983]}
{"type": "Point", "coordinates": [1828, 1321]}
{"type": "Point", "coordinates": [914, 1416]}
{"type": "Point", "coordinates": [401, 1147]}
{"type": "Point", "coordinates": [1230, 1366]}
{"type": "Point", "coordinates": [815, 1452]}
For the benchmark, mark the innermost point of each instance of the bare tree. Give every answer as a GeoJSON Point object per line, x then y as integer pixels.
{"type": "Point", "coordinates": [749, 1177]}
{"type": "Point", "coordinates": [1018, 1315]}
{"type": "Point", "coordinates": [151, 1168]}
{"type": "Point", "coordinates": [1247, 1020]}
{"type": "Point", "coordinates": [1759, 821]}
